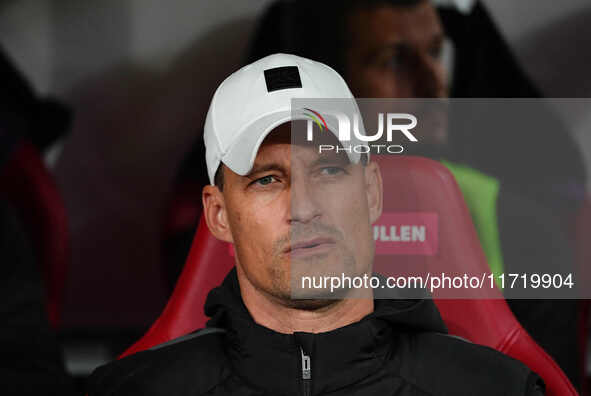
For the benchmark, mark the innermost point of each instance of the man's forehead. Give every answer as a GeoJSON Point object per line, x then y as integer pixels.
{"type": "Point", "coordinates": [394, 23]}
{"type": "Point", "coordinates": [288, 142]}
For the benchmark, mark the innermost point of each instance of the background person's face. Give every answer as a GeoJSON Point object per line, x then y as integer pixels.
{"type": "Point", "coordinates": [395, 52]}
{"type": "Point", "coordinates": [299, 214]}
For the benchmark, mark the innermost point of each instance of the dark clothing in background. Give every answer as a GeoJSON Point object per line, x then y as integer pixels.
{"type": "Point", "coordinates": [543, 175]}
{"type": "Point", "coordinates": [31, 359]}
{"type": "Point", "coordinates": [542, 163]}
{"type": "Point", "coordinates": [484, 66]}
{"type": "Point", "coordinates": [399, 349]}
{"type": "Point", "coordinates": [533, 240]}
{"type": "Point", "coordinates": [24, 114]}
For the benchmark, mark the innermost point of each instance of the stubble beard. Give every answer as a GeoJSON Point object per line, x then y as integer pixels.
{"type": "Point", "coordinates": [286, 284]}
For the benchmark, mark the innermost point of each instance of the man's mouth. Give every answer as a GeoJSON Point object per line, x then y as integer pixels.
{"type": "Point", "coordinates": [310, 247]}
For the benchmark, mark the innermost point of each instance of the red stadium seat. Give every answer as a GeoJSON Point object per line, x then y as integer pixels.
{"type": "Point", "coordinates": [26, 183]}
{"type": "Point", "coordinates": [185, 208]}
{"type": "Point", "coordinates": [412, 185]}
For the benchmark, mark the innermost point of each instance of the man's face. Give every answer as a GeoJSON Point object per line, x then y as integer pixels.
{"type": "Point", "coordinates": [301, 213]}
{"type": "Point", "coordinates": [395, 52]}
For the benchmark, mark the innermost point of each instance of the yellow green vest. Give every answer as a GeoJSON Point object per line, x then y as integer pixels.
{"type": "Point", "coordinates": [481, 193]}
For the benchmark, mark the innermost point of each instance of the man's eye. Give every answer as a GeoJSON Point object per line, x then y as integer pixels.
{"type": "Point", "coordinates": [399, 57]}
{"type": "Point", "coordinates": [263, 181]}
{"type": "Point", "coordinates": [436, 51]}
{"type": "Point", "coordinates": [395, 61]}
{"type": "Point", "coordinates": [331, 170]}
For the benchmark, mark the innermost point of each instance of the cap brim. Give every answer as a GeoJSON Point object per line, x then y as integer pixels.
{"type": "Point", "coordinates": [241, 156]}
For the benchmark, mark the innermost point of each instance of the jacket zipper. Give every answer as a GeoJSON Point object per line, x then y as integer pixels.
{"type": "Point", "coordinates": [306, 374]}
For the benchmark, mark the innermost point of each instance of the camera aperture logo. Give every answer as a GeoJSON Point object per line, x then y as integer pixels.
{"type": "Point", "coordinates": [316, 117]}
{"type": "Point", "coordinates": [359, 142]}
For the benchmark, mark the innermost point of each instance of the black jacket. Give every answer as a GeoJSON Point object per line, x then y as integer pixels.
{"type": "Point", "coordinates": [399, 349]}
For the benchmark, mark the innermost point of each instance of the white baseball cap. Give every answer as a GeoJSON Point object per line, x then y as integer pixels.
{"type": "Point", "coordinates": [254, 100]}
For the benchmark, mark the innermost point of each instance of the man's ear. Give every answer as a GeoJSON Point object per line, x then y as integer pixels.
{"type": "Point", "coordinates": [214, 210]}
{"type": "Point", "coordinates": [374, 190]}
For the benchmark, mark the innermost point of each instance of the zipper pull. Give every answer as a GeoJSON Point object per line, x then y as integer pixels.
{"type": "Point", "coordinates": [306, 367]}
{"type": "Point", "coordinates": [306, 373]}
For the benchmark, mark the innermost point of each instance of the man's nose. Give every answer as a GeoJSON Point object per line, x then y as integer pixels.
{"type": "Point", "coordinates": [303, 202]}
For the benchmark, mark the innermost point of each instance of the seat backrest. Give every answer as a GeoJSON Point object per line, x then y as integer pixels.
{"type": "Point", "coordinates": [413, 187]}
{"type": "Point", "coordinates": [26, 183]}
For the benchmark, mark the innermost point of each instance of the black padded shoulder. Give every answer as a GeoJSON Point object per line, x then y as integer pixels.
{"type": "Point", "coordinates": [190, 336]}
{"type": "Point", "coordinates": [191, 365]}
{"type": "Point", "coordinates": [438, 358]}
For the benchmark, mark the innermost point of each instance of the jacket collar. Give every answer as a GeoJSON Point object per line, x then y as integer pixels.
{"type": "Point", "coordinates": [272, 361]}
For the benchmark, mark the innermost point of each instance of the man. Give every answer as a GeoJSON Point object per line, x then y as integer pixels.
{"type": "Point", "coordinates": [393, 49]}
{"type": "Point", "coordinates": [382, 48]}
{"type": "Point", "coordinates": [280, 202]}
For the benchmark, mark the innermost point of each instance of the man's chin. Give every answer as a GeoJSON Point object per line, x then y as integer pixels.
{"type": "Point", "coordinates": [299, 292]}
{"type": "Point", "coordinates": [311, 304]}
{"type": "Point", "coordinates": [322, 265]}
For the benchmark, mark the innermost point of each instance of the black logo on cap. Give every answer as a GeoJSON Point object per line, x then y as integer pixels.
{"type": "Point", "coordinates": [282, 78]}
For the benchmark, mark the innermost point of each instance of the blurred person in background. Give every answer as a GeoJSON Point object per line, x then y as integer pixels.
{"type": "Point", "coordinates": [31, 355]}
{"type": "Point", "coordinates": [393, 49]}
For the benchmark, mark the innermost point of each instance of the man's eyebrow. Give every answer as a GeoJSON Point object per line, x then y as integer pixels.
{"type": "Point", "coordinates": [394, 45]}
{"type": "Point", "coordinates": [265, 168]}
{"type": "Point", "coordinates": [331, 159]}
